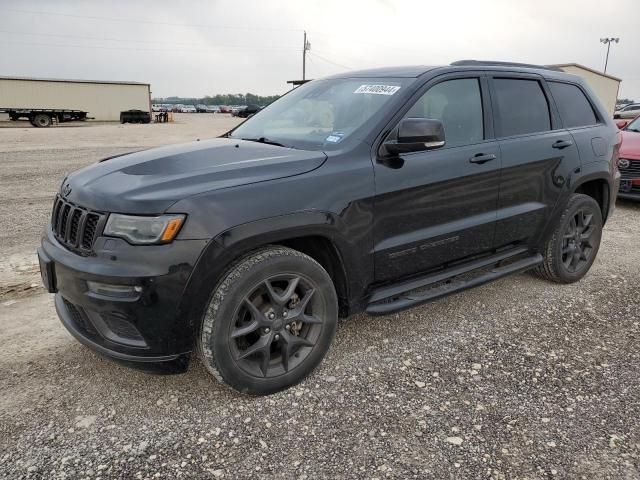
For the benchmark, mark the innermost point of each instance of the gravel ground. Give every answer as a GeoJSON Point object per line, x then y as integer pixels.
{"type": "Point", "coordinates": [516, 379]}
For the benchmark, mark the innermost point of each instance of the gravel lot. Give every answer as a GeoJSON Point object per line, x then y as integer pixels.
{"type": "Point", "coordinates": [516, 379]}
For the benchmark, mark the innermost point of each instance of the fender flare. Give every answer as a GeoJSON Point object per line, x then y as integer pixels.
{"type": "Point", "coordinates": [608, 188]}
{"type": "Point", "coordinates": [223, 250]}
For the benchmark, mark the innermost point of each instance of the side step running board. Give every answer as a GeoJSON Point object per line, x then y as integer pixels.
{"type": "Point", "coordinates": [399, 297]}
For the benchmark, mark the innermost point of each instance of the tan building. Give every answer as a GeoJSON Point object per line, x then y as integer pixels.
{"type": "Point", "coordinates": [604, 85]}
{"type": "Point", "coordinates": [102, 100]}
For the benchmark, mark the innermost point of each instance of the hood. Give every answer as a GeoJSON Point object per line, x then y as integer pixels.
{"type": "Point", "coordinates": [148, 182]}
{"type": "Point", "coordinates": [630, 147]}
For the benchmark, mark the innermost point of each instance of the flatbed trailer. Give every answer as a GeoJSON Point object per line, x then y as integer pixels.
{"type": "Point", "coordinates": [44, 117]}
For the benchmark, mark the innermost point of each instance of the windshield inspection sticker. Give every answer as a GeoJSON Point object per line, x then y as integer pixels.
{"type": "Point", "coordinates": [378, 89]}
{"type": "Point", "coordinates": [334, 137]}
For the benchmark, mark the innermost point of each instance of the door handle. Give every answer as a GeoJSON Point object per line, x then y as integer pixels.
{"type": "Point", "coordinates": [482, 158]}
{"type": "Point", "coordinates": [562, 144]}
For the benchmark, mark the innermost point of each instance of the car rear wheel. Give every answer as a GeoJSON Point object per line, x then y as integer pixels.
{"type": "Point", "coordinates": [572, 249]}
{"type": "Point", "coordinates": [269, 322]}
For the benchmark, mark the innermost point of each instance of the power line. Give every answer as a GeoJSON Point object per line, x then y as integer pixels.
{"type": "Point", "coordinates": [321, 69]}
{"type": "Point", "coordinates": [315, 54]}
{"type": "Point", "coordinates": [153, 42]}
{"type": "Point", "coordinates": [149, 22]}
{"type": "Point", "coordinates": [210, 50]}
{"type": "Point", "coordinates": [365, 42]}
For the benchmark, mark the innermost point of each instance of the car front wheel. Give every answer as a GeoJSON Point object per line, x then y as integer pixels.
{"type": "Point", "coordinates": [269, 322]}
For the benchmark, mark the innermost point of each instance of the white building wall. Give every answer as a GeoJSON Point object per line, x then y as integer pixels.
{"type": "Point", "coordinates": [104, 101]}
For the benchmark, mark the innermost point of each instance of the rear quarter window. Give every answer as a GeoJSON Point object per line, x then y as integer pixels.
{"type": "Point", "coordinates": [574, 107]}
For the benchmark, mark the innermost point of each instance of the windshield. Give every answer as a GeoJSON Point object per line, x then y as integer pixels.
{"type": "Point", "coordinates": [634, 126]}
{"type": "Point", "coordinates": [322, 113]}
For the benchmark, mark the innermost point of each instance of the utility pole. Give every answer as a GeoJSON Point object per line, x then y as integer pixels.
{"type": "Point", "coordinates": [608, 41]}
{"type": "Point", "coordinates": [306, 46]}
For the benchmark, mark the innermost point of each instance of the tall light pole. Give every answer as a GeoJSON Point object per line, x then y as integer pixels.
{"type": "Point", "coordinates": [608, 41]}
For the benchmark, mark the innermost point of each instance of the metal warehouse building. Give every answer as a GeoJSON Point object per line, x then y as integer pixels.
{"type": "Point", "coordinates": [103, 100]}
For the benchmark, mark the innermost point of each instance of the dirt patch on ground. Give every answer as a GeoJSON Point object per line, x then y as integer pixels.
{"type": "Point", "coordinates": [9, 293]}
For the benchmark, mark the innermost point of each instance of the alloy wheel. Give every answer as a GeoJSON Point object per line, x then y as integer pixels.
{"type": "Point", "coordinates": [577, 241]}
{"type": "Point", "coordinates": [276, 326]}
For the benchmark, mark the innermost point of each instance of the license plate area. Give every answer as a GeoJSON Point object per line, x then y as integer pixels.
{"type": "Point", "coordinates": [625, 186]}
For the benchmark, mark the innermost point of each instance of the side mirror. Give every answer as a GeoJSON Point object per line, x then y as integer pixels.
{"type": "Point", "coordinates": [415, 135]}
{"type": "Point", "coordinates": [621, 124]}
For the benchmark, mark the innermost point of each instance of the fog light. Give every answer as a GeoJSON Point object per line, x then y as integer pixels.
{"type": "Point", "coordinates": [116, 291]}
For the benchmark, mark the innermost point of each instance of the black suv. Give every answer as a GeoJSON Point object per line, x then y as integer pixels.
{"type": "Point", "coordinates": [370, 191]}
{"type": "Point", "coordinates": [248, 111]}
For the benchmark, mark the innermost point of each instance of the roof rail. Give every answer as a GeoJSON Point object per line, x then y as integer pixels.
{"type": "Point", "coordinates": [489, 63]}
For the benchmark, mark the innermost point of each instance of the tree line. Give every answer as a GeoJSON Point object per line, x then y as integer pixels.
{"type": "Point", "coordinates": [227, 99]}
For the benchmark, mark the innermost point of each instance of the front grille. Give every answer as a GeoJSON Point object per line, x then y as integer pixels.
{"type": "Point", "coordinates": [632, 171]}
{"type": "Point", "coordinates": [75, 227]}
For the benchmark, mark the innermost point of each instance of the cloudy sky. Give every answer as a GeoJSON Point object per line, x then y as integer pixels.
{"type": "Point", "coordinates": [200, 47]}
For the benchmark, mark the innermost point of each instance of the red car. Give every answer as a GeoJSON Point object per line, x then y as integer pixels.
{"type": "Point", "coordinates": [629, 162]}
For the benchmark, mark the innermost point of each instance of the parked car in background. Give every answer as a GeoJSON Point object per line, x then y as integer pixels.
{"type": "Point", "coordinates": [225, 109]}
{"type": "Point", "coordinates": [630, 111]}
{"type": "Point", "coordinates": [213, 108]}
{"type": "Point", "coordinates": [200, 108]}
{"type": "Point", "coordinates": [177, 108]}
{"type": "Point", "coordinates": [189, 109]}
{"type": "Point", "coordinates": [236, 109]}
{"type": "Point", "coordinates": [248, 111]}
{"type": "Point", "coordinates": [629, 160]}
{"type": "Point", "coordinates": [245, 249]}
{"type": "Point", "coordinates": [156, 108]}
{"type": "Point", "coordinates": [135, 116]}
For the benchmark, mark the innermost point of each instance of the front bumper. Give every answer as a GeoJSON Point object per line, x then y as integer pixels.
{"type": "Point", "coordinates": [629, 196]}
{"type": "Point", "coordinates": [147, 330]}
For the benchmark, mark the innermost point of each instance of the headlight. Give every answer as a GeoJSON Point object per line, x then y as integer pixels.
{"type": "Point", "coordinates": [144, 230]}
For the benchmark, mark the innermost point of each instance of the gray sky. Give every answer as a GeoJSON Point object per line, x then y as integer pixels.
{"type": "Point", "coordinates": [198, 47]}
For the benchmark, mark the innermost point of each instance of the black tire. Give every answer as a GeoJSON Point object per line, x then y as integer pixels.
{"type": "Point", "coordinates": [263, 330]}
{"type": "Point", "coordinates": [573, 246]}
{"type": "Point", "coordinates": [41, 120]}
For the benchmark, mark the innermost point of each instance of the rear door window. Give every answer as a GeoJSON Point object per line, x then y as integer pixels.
{"type": "Point", "coordinates": [575, 110]}
{"type": "Point", "coordinates": [522, 106]}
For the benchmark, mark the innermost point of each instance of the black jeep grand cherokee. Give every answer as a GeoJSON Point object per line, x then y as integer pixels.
{"type": "Point", "coordinates": [368, 191]}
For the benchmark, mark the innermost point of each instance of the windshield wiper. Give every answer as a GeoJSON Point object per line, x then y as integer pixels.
{"type": "Point", "coordinates": [266, 141]}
